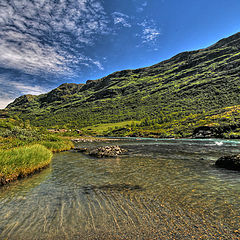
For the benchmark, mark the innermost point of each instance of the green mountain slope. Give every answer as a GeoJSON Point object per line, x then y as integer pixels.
{"type": "Point", "coordinates": [191, 85]}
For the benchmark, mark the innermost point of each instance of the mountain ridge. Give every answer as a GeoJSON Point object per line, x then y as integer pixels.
{"type": "Point", "coordinates": [177, 57]}
{"type": "Point", "coordinates": [190, 82]}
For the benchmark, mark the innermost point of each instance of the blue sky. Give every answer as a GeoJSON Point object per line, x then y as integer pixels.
{"type": "Point", "coordinates": [44, 43]}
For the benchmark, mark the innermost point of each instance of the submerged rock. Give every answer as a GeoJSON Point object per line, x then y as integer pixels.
{"type": "Point", "coordinates": [80, 140]}
{"type": "Point", "coordinates": [112, 187]}
{"type": "Point", "coordinates": [80, 149]}
{"type": "Point", "coordinates": [108, 151]}
{"type": "Point", "coordinates": [229, 162]}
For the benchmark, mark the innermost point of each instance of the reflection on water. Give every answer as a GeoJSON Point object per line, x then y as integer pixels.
{"type": "Point", "coordinates": [161, 189]}
{"type": "Point", "coordinates": [20, 188]}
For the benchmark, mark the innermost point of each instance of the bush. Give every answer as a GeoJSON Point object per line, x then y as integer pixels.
{"type": "Point", "coordinates": [21, 133]}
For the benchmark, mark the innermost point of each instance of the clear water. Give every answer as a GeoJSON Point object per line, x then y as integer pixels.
{"type": "Point", "coordinates": [161, 189]}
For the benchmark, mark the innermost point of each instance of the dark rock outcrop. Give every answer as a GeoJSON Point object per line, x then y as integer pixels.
{"type": "Point", "coordinates": [214, 132]}
{"type": "Point", "coordinates": [229, 162]}
{"type": "Point", "coordinates": [205, 132]}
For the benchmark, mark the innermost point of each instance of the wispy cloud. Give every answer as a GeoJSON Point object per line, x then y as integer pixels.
{"type": "Point", "coordinates": [150, 33]}
{"type": "Point", "coordinates": [27, 89]}
{"type": "Point", "coordinates": [142, 7]}
{"type": "Point", "coordinates": [12, 89]}
{"type": "Point", "coordinates": [45, 40]}
{"type": "Point", "coordinates": [48, 35]}
{"type": "Point", "coordinates": [4, 102]}
{"type": "Point", "coordinates": [121, 19]}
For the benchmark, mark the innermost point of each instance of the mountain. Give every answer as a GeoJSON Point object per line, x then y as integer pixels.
{"type": "Point", "coordinates": [194, 86]}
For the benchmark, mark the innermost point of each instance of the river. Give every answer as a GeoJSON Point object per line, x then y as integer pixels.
{"type": "Point", "coordinates": [160, 189]}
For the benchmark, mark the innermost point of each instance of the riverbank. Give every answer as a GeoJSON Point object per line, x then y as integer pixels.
{"type": "Point", "coordinates": [20, 162]}
{"type": "Point", "coordinates": [23, 161]}
{"type": "Point", "coordinates": [25, 150]}
{"type": "Point", "coordinates": [21, 158]}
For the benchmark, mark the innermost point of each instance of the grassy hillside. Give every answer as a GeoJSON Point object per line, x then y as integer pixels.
{"type": "Point", "coordinates": [170, 98]}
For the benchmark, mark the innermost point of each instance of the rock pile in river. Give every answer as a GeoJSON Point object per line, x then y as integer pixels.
{"type": "Point", "coordinates": [229, 162]}
{"type": "Point", "coordinates": [108, 151]}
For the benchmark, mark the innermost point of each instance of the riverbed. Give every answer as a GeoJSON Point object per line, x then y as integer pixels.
{"type": "Point", "coordinates": [159, 189]}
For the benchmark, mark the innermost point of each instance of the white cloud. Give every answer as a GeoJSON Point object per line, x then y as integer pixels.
{"type": "Point", "coordinates": [47, 36]}
{"type": "Point", "coordinates": [11, 89]}
{"type": "Point", "coordinates": [27, 89]}
{"type": "Point", "coordinates": [23, 88]}
{"type": "Point", "coordinates": [5, 102]}
{"type": "Point", "coordinates": [141, 7]}
{"type": "Point", "coordinates": [99, 65]}
{"type": "Point", "coordinates": [31, 57]}
{"type": "Point", "coordinates": [121, 19]}
{"type": "Point", "coordinates": [150, 32]}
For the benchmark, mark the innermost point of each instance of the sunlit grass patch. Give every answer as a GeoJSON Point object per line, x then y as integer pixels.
{"type": "Point", "coordinates": [101, 128]}
{"type": "Point", "coordinates": [22, 161]}
{"type": "Point", "coordinates": [58, 146]}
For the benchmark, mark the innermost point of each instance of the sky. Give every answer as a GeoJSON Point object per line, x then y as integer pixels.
{"type": "Point", "coordinates": [44, 43]}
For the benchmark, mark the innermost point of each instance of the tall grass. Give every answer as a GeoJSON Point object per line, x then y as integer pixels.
{"type": "Point", "coordinates": [58, 146]}
{"type": "Point", "coordinates": [25, 150]}
{"type": "Point", "coordinates": [22, 161]}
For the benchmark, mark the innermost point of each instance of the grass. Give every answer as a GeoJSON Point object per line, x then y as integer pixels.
{"type": "Point", "coordinates": [99, 129]}
{"type": "Point", "coordinates": [25, 150]}
{"type": "Point", "coordinates": [58, 146]}
{"type": "Point", "coordinates": [225, 120]}
{"type": "Point", "coordinates": [22, 161]}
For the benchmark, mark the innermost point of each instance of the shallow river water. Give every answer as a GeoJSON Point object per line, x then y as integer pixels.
{"type": "Point", "coordinates": [160, 189]}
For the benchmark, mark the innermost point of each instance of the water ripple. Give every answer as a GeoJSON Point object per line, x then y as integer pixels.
{"type": "Point", "coordinates": [163, 189]}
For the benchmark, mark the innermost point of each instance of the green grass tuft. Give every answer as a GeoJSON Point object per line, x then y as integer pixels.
{"type": "Point", "coordinates": [58, 146]}
{"type": "Point", "coordinates": [22, 161]}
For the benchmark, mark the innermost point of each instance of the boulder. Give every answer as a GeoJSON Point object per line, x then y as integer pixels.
{"type": "Point", "coordinates": [229, 162]}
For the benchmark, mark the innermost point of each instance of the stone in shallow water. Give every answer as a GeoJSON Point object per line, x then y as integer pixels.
{"type": "Point", "coordinates": [78, 149]}
{"type": "Point", "coordinates": [229, 162]}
